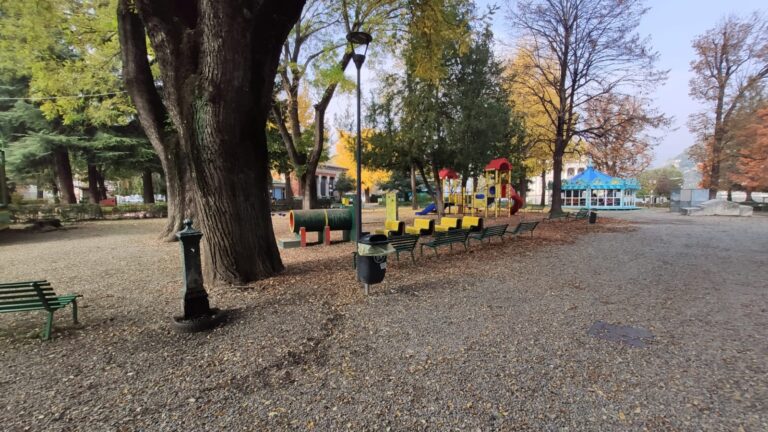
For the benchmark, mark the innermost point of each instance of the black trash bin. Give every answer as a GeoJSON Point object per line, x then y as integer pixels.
{"type": "Point", "coordinates": [592, 217]}
{"type": "Point", "coordinates": [372, 268]}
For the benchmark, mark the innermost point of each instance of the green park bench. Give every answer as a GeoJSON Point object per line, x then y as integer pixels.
{"type": "Point", "coordinates": [524, 227]}
{"type": "Point", "coordinates": [581, 214]}
{"type": "Point", "coordinates": [489, 232]}
{"type": "Point", "coordinates": [404, 243]}
{"type": "Point", "coordinates": [447, 238]}
{"type": "Point", "coordinates": [35, 295]}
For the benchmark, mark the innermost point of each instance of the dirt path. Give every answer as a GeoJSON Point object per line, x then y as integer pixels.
{"type": "Point", "coordinates": [493, 339]}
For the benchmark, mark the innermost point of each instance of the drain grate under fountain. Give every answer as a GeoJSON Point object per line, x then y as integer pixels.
{"type": "Point", "coordinates": [632, 336]}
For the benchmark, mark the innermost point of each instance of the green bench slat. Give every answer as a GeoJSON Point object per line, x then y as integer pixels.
{"type": "Point", "coordinates": [24, 284]}
{"type": "Point", "coordinates": [35, 295]}
{"type": "Point", "coordinates": [524, 227]}
{"type": "Point", "coordinates": [404, 243]}
{"type": "Point", "coordinates": [52, 302]}
{"type": "Point", "coordinates": [17, 291]}
{"type": "Point", "coordinates": [447, 238]}
{"type": "Point", "coordinates": [491, 231]}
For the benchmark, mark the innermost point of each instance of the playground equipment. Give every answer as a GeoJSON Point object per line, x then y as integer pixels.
{"type": "Point", "coordinates": [472, 223]}
{"type": "Point", "coordinates": [448, 224]}
{"type": "Point", "coordinates": [421, 227]}
{"type": "Point", "coordinates": [321, 221]}
{"type": "Point", "coordinates": [392, 224]}
{"type": "Point", "coordinates": [498, 186]}
{"type": "Point", "coordinates": [392, 228]}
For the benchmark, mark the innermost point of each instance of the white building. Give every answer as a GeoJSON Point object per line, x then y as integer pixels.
{"type": "Point", "coordinates": [570, 169]}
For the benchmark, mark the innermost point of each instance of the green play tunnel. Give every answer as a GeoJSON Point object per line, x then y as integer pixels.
{"type": "Point", "coordinates": [316, 220]}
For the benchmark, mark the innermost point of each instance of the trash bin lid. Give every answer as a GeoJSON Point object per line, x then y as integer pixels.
{"type": "Point", "coordinates": [374, 239]}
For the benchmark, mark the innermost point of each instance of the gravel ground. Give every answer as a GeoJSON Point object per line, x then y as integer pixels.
{"type": "Point", "coordinates": [493, 339]}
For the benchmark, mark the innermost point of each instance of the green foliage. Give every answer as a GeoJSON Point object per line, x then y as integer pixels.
{"type": "Point", "coordinates": [660, 181]}
{"type": "Point", "coordinates": [25, 213]}
{"type": "Point", "coordinates": [460, 121]}
{"type": "Point", "coordinates": [67, 49]}
{"type": "Point", "coordinates": [344, 184]}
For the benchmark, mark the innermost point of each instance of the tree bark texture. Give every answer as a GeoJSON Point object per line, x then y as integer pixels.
{"type": "Point", "coordinates": [148, 191]}
{"type": "Point", "coordinates": [153, 117]}
{"type": "Point", "coordinates": [543, 188]}
{"type": "Point", "coordinates": [102, 185]}
{"type": "Point", "coordinates": [63, 171]}
{"type": "Point", "coordinates": [218, 62]}
{"type": "Point", "coordinates": [557, 174]}
{"type": "Point", "coordinates": [288, 186]}
{"type": "Point", "coordinates": [438, 190]}
{"type": "Point", "coordinates": [309, 198]}
{"type": "Point", "coordinates": [414, 191]}
{"type": "Point", "coordinates": [94, 194]}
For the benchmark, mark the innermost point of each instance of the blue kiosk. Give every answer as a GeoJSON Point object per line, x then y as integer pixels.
{"type": "Point", "coordinates": [594, 190]}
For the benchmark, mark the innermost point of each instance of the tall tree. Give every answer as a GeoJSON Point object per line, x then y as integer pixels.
{"type": "Point", "coordinates": [731, 60]}
{"type": "Point", "coordinates": [580, 50]}
{"type": "Point", "coordinates": [69, 48]}
{"type": "Point", "coordinates": [623, 147]}
{"type": "Point", "coordinates": [752, 162]}
{"type": "Point", "coordinates": [217, 62]}
{"type": "Point", "coordinates": [316, 54]}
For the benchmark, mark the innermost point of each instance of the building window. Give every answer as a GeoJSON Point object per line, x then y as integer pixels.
{"type": "Point", "coordinates": [581, 170]}
{"type": "Point", "coordinates": [323, 186]}
{"type": "Point", "coordinates": [570, 172]}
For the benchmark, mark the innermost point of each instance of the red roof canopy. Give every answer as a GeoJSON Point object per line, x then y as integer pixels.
{"type": "Point", "coordinates": [500, 164]}
{"type": "Point", "coordinates": [447, 173]}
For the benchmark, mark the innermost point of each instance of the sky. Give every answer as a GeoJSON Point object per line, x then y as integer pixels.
{"type": "Point", "coordinates": [672, 25]}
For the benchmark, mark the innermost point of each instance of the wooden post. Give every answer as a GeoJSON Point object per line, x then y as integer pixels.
{"type": "Point", "coordinates": [327, 236]}
{"type": "Point", "coordinates": [303, 235]}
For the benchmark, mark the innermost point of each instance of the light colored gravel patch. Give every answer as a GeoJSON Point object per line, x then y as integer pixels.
{"type": "Point", "coordinates": [493, 339]}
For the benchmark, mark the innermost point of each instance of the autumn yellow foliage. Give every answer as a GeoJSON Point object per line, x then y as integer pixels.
{"type": "Point", "coordinates": [345, 158]}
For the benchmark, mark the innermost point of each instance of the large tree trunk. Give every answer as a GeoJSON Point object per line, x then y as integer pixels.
{"type": "Point", "coordinates": [94, 194]}
{"type": "Point", "coordinates": [148, 191]}
{"type": "Point", "coordinates": [414, 191]}
{"type": "Point", "coordinates": [424, 178]}
{"type": "Point", "coordinates": [288, 187]}
{"type": "Point", "coordinates": [557, 171]}
{"type": "Point", "coordinates": [63, 171]}
{"type": "Point", "coordinates": [309, 199]}
{"type": "Point", "coordinates": [543, 201]}
{"type": "Point", "coordinates": [749, 194]}
{"type": "Point", "coordinates": [102, 184]}
{"type": "Point", "coordinates": [438, 190]}
{"type": "Point", "coordinates": [218, 63]}
{"type": "Point", "coordinates": [729, 194]}
{"type": "Point", "coordinates": [153, 117]}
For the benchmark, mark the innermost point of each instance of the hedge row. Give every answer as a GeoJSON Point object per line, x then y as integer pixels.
{"type": "Point", "coordinates": [79, 212]}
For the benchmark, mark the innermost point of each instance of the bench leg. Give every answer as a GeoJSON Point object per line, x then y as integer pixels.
{"type": "Point", "coordinates": [74, 311]}
{"type": "Point", "coordinates": [48, 326]}
{"type": "Point", "coordinates": [413, 258]}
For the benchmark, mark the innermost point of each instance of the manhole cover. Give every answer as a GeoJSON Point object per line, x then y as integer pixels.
{"type": "Point", "coordinates": [632, 336]}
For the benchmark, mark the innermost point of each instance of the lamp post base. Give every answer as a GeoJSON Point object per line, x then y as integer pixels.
{"type": "Point", "coordinates": [200, 323]}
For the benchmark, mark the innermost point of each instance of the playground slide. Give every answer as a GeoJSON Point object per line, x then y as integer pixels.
{"type": "Point", "coordinates": [431, 208]}
{"type": "Point", "coordinates": [518, 202]}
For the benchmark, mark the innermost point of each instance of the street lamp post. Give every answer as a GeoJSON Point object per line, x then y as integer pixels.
{"type": "Point", "coordinates": [358, 38]}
